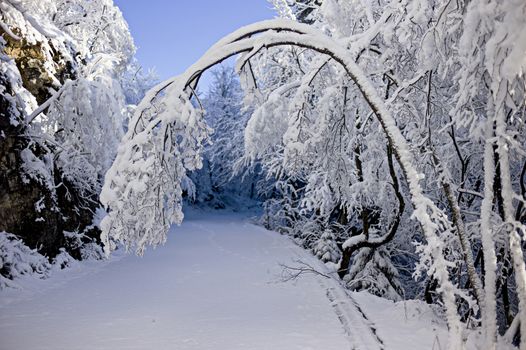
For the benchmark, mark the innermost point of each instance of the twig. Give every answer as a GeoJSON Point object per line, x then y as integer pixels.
{"type": "Point", "coordinates": [292, 273]}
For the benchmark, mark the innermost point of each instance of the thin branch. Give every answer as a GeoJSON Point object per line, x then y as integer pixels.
{"type": "Point", "coordinates": [29, 119]}
{"type": "Point", "coordinates": [292, 273]}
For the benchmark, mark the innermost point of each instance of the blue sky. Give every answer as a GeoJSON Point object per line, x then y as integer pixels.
{"type": "Point", "coordinates": [173, 34]}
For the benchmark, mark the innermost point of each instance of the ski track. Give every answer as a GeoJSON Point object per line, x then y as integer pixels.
{"type": "Point", "coordinates": [360, 331]}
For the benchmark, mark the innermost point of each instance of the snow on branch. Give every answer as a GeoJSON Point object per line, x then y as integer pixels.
{"type": "Point", "coordinates": [143, 187]}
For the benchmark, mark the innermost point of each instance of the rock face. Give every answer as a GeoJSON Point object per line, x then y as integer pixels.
{"type": "Point", "coordinates": [20, 201]}
{"type": "Point", "coordinates": [28, 208]}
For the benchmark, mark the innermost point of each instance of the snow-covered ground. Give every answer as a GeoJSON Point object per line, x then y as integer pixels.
{"type": "Point", "coordinates": [217, 284]}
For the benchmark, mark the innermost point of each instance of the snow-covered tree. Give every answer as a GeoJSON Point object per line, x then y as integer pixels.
{"type": "Point", "coordinates": [326, 248]}
{"type": "Point", "coordinates": [62, 73]}
{"type": "Point", "coordinates": [373, 271]}
{"type": "Point", "coordinates": [223, 179]}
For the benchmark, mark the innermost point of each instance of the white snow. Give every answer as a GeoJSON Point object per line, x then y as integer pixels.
{"type": "Point", "coordinates": [404, 325]}
{"type": "Point", "coordinates": [216, 284]}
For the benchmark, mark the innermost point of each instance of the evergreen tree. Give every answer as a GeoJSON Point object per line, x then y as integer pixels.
{"type": "Point", "coordinates": [373, 271]}
{"type": "Point", "coordinates": [326, 248]}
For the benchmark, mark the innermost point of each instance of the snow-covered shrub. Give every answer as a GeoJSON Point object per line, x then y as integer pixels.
{"type": "Point", "coordinates": [63, 260]}
{"type": "Point", "coordinates": [91, 251]}
{"type": "Point", "coordinates": [83, 246]}
{"type": "Point", "coordinates": [16, 260]}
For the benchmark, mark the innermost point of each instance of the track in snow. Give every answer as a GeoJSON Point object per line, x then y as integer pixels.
{"type": "Point", "coordinates": [214, 285]}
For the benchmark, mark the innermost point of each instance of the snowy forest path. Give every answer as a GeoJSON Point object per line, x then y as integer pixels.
{"type": "Point", "coordinates": [216, 284]}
